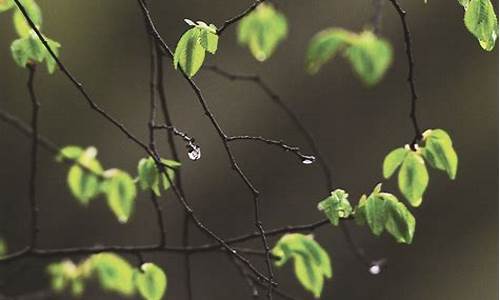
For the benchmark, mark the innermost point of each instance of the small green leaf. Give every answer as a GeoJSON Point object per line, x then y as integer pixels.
{"type": "Point", "coordinates": [262, 30]}
{"type": "Point", "coordinates": [381, 210]}
{"type": "Point", "coordinates": [393, 160]}
{"type": "Point", "coordinates": [151, 281]}
{"type": "Point", "coordinates": [324, 46]}
{"type": "Point", "coordinates": [114, 273]}
{"type": "Point", "coordinates": [189, 54]}
{"type": "Point", "coordinates": [70, 153]}
{"type": "Point", "coordinates": [190, 51]}
{"type": "Point", "coordinates": [336, 206]}
{"type": "Point", "coordinates": [84, 183]}
{"type": "Point", "coordinates": [413, 178]}
{"type": "Point", "coordinates": [6, 5]}
{"type": "Point", "coordinates": [439, 152]}
{"type": "Point", "coordinates": [121, 192]}
{"type": "Point", "coordinates": [481, 20]}
{"type": "Point", "coordinates": [370, 57]}
{"type": "Point", "coordinates": [400, 222]}
{"type": "Point", "coordinates": [22, 27]}
{"type": "Point", "coordinates": [149, 177]}
{"type": "Point", "coordinates": [311, 262]}
{"type": "Point", "coordinates": [374, 213]}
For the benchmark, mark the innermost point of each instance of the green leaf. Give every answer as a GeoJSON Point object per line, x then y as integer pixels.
{"type": "Point", "coordinates": [6, 5]}
{"type": "Point", "coordinates": [114, 273]}
{"type": "Point", "coordinates": [438, 151]}
{"type": "Point", "coordinates": [190, 51]}
{"type": "Point", "coordinates": [413, 178]}
{"type": "Point", "coordinates": [149, 177]}
{"type": "Point", "coordinates": [22, 27]}
{"type": "Point", "coordinates": [336, 206]}
{"type": "Point", "coordinates": [70, 153]}
{"type": "Point", "coordinates": [381, 210]}
{"type": "Point", "coordinates": [151, 281]}
{"type": "Point", "coordinates": [31, 50]}
{"type": "Point", "coordinates": [121, 192]}
{"type": "Point", "coordinates": [481, 20]}
{"type": "Point", "coordinates": [311, 262]}
{"type": "Point", "coordinates": [375, 214]}
{"type": "Point", "coordinates": [66, 273]}
{"type": "Point", "coordinates": [84, 183]}
{"type": "Point", "coordinates": [370, 57]}
{"type": "Point", "coordinates": [324, 46]}
{"type": "Point", "coordinates": [393, 160]}
{"type": "Point", "coordinates": [262, 30]}
{"type": "Point", "coordinates": [189, 54]}
{"type": "Point", "coordinates": [400, 222]}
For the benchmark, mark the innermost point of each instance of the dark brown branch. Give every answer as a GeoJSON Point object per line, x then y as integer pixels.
{"type": "Point", "coordinates": [35, 107]}
{"type": "Point", "coordinates": [306, 159]}
{"type": "Point", "coordinates": [411, 72]}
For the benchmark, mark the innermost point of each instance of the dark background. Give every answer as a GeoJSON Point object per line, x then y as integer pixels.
{"type": "Point", "coordinates": [454, 254]}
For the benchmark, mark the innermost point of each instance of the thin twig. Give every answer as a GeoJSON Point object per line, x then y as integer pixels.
{"type": "Point", "coordinates": [35, 107]}
{"type": "Point", "coordinates": [411, 72]}
{"type": "Point", "coordinates": [307, 159]}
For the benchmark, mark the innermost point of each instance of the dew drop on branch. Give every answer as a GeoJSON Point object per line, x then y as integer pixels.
{"type": "Point", "coordinates": [375, 269]}
{"type": "Point", "coordinates": [194, 151]}
{"type": "Point", "coordinates": [307, 160]}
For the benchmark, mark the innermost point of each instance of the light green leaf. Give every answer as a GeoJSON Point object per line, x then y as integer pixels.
{"type": "Point", "coordinates": [374, 213]}
{"type": "Point", "coordinates": [439, 152]}
{"type": "Point", "coordinates": [209, 40]}
{"type": "Point", "coordinates": [189, 54]}
{"type": "Point", "coordinates": [114, 273]}
{"type": "Point", "coordinates": [149, 177]}
{"type": "Point", "coordinates": [336, 206]}
{"type": "Point", "coordinates": [6, 5]}
{"type": "Point", "coordinates": [400, 222]}
{"type": "Point", "coordinates": [413, 178]}
{"type": "Point", "coordinates": [311, 261]}
{"type": "Point", "coordinates": [393, 160]}
{"type": "Point", "coordinates": [84, 183]}
{"type": "Point", "coordinates": [69, 152]}
{"type": "Point", "coordinates": [22, 27]}
{"type": "Point", "coordinates": [370, 57]}
{"type": "Point", "coordinates": [262, 30]}
{"type": "Point", "coordinates": [381, 210]}
{"type": "Point", "coordinates": [151, 281]}
{"type": "Point", "coordinates": [324, 46]}
{"type": "Point", "coordinates": [481, 20]}
{"type": "Point", "coordinates": [66, 273]}
{"type": "Point", "coordinates": [121, 192]}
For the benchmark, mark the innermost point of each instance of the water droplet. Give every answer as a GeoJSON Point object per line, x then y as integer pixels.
{"type": "Point", "coordinates": [375, 269]}
{"type": "Point", "coordinates": [194, 151]}
{"type": "Point", "coordinates": [307, 160]}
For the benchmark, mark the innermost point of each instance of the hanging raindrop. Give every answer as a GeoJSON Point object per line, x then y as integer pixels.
{"type": "Point", "coordinates": [375, 269]}
{"type": "Point", "coordinates": [308, 159]}
{"type": "Point", "coordinates": [194, 151]}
